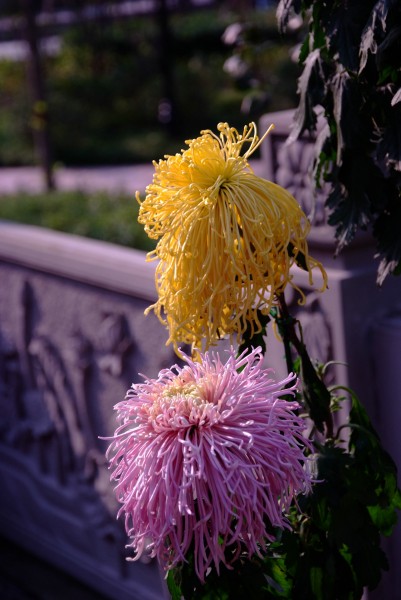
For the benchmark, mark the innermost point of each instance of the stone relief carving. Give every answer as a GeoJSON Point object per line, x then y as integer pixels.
{"type": "Point", "coordinates": [60, 403]}
{"type": "Point", "coordinates": [10, 384]}
{"type": "Point", "coordinates": [79, 358]}
{"type": "Point", "coordinates": [294, 172]}
{"type": "Point", "coordinates": [113, 342]}
{"type": "Point", "coordinates": [316, 329]}
{"type": "Point", "coordinates": [290, 163]}
{"type": "Point", "coordinates": [45, 390]}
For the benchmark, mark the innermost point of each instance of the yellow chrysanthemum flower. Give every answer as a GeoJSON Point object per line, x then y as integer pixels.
{"type": "Point", "coordinates": [227, 238]}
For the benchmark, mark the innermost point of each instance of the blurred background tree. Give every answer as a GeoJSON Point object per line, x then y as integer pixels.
{"type": "Point", "coordinates": [125, 82]}
{"type": "Point", "coordinates": [38, 98]}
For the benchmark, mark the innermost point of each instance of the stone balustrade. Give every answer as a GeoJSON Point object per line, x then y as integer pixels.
{"type": "Point", "coordinates": [72, 340]}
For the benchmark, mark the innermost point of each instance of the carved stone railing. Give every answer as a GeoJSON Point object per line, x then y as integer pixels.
{"type": "Point", "coordinates": [291, 165]}
{"type": "Point", "coordinates": [72, 340]}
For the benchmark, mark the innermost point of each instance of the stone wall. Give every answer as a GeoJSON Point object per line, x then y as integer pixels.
{"type": "Point", "coordinates": [72, 340]}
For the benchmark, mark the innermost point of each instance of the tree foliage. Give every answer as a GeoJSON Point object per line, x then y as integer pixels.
{"type": "Point", "coordinates": [351, 58]}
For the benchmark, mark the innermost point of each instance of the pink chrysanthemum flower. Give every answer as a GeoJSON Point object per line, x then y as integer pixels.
{"type": "Point", "coordinates": [205, 458]}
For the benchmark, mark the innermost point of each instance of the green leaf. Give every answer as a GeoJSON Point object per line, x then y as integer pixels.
{"type": "Point", "coordinates": [397, 269]}
{"type": "Point", "coordinates": [389, 50]}
{"type": "Point", "coordinates": [247, 578]}
{"type": "Point", "coordinates": [278, 581]}
{"type": "Point", "coordinates": [252, 337]}
{"type": "Point", "coordinates": [315, 393]}
{"type": "Point", "coordinates": [173, 587]}
{"type": "Point", "coordinates": [379, 467]}
{"type": "Point", "coordinates": [311, 90]}
{"type": "Point", "coordinates": [344, 28]}
{"type": "Point", "coordinates": [387, 232]}
{"type": "Point", "coordinates": [284, 12]}
{"type": "Point", "coordinates": [388, 150]}
{"type": "Point", "coordinates": [359, 180]}
{"type": "Point", "coordinates": [374, 28]}
{"type": "Point", "coordinates": [385, 518]}
{"type": "Point", "coordinates": [316, 577]}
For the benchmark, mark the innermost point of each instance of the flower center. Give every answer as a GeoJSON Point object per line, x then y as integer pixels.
{"type": "Point", "coordinates": [180, 391]}
{"type": "Point", "coordinates": [184, 404]}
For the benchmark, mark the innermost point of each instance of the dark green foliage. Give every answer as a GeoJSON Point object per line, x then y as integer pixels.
{"type": "Point", "coordinates": [99, 215]}
{"type": "Point", "coordinates": [316, 397]}
{"type": "Point", "coordinates": [333, 549]}
{"type": "Point", "coordinates": [105, 85]}
{"type": "Point", "coordinates": [352, 209]}
{"type": "Point", "coordinates": [254, 338]}
{"type": "Point", "coordinates": [15, 136]}
{"type": "Point", "coordinates": [351, 61]}
{"type": "Point", "coordinates": [246, 579]}
{"type": "Point", "coordinates": [338, 536]}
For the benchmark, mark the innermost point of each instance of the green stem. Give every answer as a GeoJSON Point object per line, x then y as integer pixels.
{"type": "Point", "coordinates": [316, 393]}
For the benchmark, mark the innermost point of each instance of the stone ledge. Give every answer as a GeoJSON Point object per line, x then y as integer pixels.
{"type": "Point", "coordinates": [95, 262]}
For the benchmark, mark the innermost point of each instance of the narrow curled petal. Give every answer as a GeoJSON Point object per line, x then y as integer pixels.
{"type": "Point", "coordinates": [227, 238]}
{"type": "Point", "coordinates": [206, 456]}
